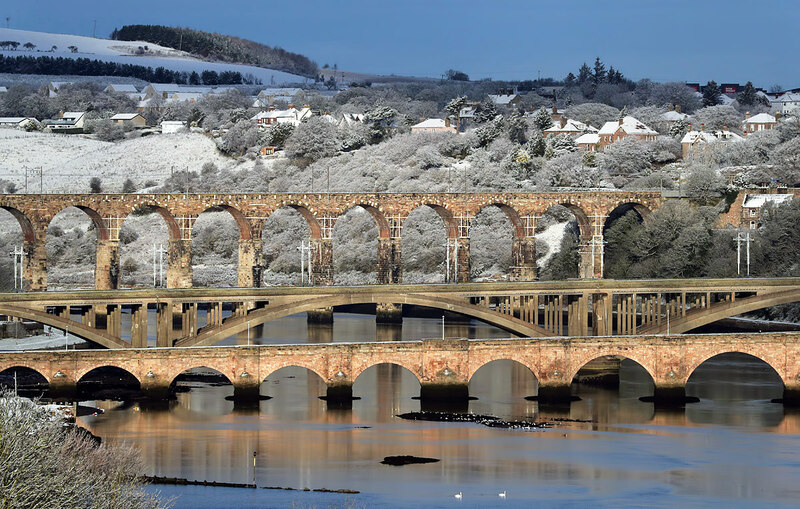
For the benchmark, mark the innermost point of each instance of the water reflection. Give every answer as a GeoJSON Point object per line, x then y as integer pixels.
{"type": "Point", "coordinates": [733, 445]}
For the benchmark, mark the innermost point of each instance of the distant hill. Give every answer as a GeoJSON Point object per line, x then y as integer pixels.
{"type": "Point", "coordinates": [219, 47]}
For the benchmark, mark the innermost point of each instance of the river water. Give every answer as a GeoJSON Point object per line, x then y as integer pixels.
{"type": "Point", "coordinates": [734, 448]}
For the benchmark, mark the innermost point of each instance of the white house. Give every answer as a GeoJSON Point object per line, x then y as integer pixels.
{"type": "Point", "coordinates": [68, 120]}
{"type": "Point", "coordinates": [694, 140]}
{"type": "Point", "coordinates": [433, 125]}
{"type": "Point", "coordinates": [589, 142]}
{"type": "Point", "coordinates": [505, 99]}
{"type": "Point", "coordinates": [571, 127]}
{"type": "Point", "coordinates": [291, 116]}
{"type": "Point", "coordinates": [349, 119]}
{"type": "Point", "coordinates": [786, 103]}
{"type": "Point", "coordinates": [3, 90]}
{"type": "Point", "coordinates": [753, 203]}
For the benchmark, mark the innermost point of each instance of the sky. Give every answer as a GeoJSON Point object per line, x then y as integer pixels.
{"type": "Point", "coordinates": [664, 40]}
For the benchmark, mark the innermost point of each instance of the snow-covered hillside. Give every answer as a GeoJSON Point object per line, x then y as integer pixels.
{"type": "Point", "coordinates": [68, 162]}
{"type": "Point", "coordinates": [126, 52]}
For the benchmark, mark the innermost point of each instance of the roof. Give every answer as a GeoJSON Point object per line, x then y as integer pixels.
{"type": "Point", "coordinates": [173, 122]}
{"type": "Point", "coordinates": [756, 201]}
{"type": "Point", "coordinates": [186, 96]}
{"type": "Point", "coordinates": [73, 115]}
{"type": "Point", "coordinates": [588, 139]}
{"type": "Point", "coordinates": [693, 137]}
{"type": "Point", "coordinates": [502, 99]}
{"type": "Point", "coordinates": [571, 126]}
{"type": "Point", "coordinates": [3, 89]}
{"type": "Point", "coordinates": [15, 120]}
{"type": "Point", "coordinates": [430, 123]}
{"type": "Point", "coordinates": [172, 87]}
{"type": "Point", "coordinates": [673, 116]}
{"type": "Point", "coordinates": [629, 125]}
{"type": "Point", "coordinates": [761, 118]}
{"type": "Point", "coordinates": [286, 92]}
{"type": "Point", "coordinates": [121, 87]}
{"type": "Point", "coordinates": [125, 116]}
{"type": "Point", "coordinates": [787, 97]}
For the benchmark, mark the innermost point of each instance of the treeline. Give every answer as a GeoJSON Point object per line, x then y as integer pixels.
{"type": "Point", "coordinates": [88, 67]}
{"type": "Point", "coordinates": [219, 47]}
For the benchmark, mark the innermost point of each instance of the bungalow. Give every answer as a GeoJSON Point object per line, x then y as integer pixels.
{"type": "Point", "coordinates": [18, 122]}
{"type": "Point", "coordinates": [68, 121]}
{"type": "Point", "coordinates": [694, 140]}
{"type": "Point", "coordinates": [433, 125]}
{"type": "Point", "coordinates": [627, 127]}
{"type": "Point", "coordinates": [760, 122]}
{"type": "Point", "coordinates": [571, 127]}
{"type": "Point", "coordinates": [589, 142]}
{"type": "Point", "coordinates": [121, 88]}
{"type": "Point", "coordinates": [131, 119]}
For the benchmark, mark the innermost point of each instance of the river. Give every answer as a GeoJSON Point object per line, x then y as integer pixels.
{"type": "Point", "coordinates": [734, 448]}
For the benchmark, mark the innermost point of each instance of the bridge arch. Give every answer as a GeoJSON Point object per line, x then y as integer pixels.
{"type": "Point", "coordinates": [25, 224]}
{"type": "Point", "coordinates": [355, 247]}
{"type": "Point", "coordinates": [444, 214]}
{"type": "Point", "coordinates": [91, 380]}
{"type": "Point", "coordinates": [186, 374]}
{"type": "Point", "coordinates": [305, 212]}
{"type": "Point", "coordinates": [94, 216]}
{"type": "Point", "coordinates": [234, 325]}
{"type": "Point", "coordinates": [245, 229]}
{"type": "Point", "coordinates": [26, 367]}
{"type": "Point", "coordinates": [308, 366]}
{"type": "Point", "coordinates": [516, 358]}
{"type": "Point", "coordinates": [511, 213]}
{"type": "Point", "coordinates": [173, 228]}
{"type": "Point", "coordinates": [77, 329]}
{"type": "Point", "coordinates": [380, 218]}
{"type": "Point", "coordinates": [750, 351]}
{"type": "Point", "coordinates": [622, 208]}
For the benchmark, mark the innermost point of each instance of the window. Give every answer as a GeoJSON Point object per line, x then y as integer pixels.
{"type": "Point", "coordinates": [753, 225]}
{"type": "Point", "coordinates": [752, 212]}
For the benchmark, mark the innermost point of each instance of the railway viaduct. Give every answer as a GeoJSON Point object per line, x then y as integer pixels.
{"type": "Point", "coordinates": [320, 210]}
{"type": "Point", "coordinates": [443, 367]}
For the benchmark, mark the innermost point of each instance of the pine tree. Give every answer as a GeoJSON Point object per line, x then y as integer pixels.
{"type": "Point", "coordinates": [711, 94]}
{"type": "Point", "coordinates": [570, 80]}
{"type": "Point", "coordinates": [584, 74]}
{"type": "Point", "coordinates": [599, 74]}
{"type": "Point", "coordinates": [747, 97]}
{"type": "Point", "coordinates": [542, 119]}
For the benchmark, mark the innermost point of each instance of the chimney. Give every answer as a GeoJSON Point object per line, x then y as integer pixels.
{"type": "Point", "coordinates": [291, 106]}
{"type": "Point", "coordinates": [702, 127]}
{"type": "Point", "coordinates": [747, 114]}
{"type": "Point", "coordinates": [447, 122]}
{"type": "Point", "coordinates": [671, 107]}
{"type": "Point", "coordinates": [724, 127]}
{"type": "Point", "coordinates": [778, 115]}
{"type": "Point", "coordinates": [690, 126]}
{"type": "Point", "coordinates": [678, 108]}
{"type": "Point", "coordinates": [620, 120]}
{"type": "Point", "coordinates": [271, 107]}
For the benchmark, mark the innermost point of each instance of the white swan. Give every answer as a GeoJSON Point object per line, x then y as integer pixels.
{"type": "Point", "coordinates": [458, 495]}
{"type": "Point", "coordinates": [502, 495]}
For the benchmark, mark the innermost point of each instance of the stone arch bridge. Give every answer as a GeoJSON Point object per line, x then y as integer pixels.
{"type": "Point", "coordinates": [320, 210]}
{"type": "Point", "coordinates": [443, 368]}
{"type": "Point", "coordinates": [576, 308]}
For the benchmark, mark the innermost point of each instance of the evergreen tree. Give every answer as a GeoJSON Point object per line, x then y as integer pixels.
{"type": "Point", "coordinates": [747, 97]}
{"type": "Point", "coordinates": [194, 78]}
{"type": "Point", "coordinates": [570, 80]}
{"type": "Point", "coordinates": [455, 105]}
{"type": "Point", "coordinates": [584, 74]}
{"type": "Point", "coordinates": [711, 94]}
{"type": "Point", "coordinates": [599, 74]}
{"type": "Point", "coordinates": [486, 111]}
{"type": "Point", "coordinates": [542, 119]}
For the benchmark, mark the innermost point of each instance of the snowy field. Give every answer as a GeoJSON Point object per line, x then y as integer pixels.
{"type": "Point", "coordinates": [125, 52]}
{"type": "Point", "coordinates": [69, 161]}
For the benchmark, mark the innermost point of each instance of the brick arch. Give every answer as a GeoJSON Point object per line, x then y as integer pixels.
{"type": "Point", "coordinates": [516, 358]}
{"type": "Point", "coordinates": [391, 359]}
{"type": "Point", "coordinates": [305, 211]}
{"type": "Point", "coordinates": [173, 228]}
{"type": "Point", "coordinates": [639, 208]}
{"type": "Point", "coordinates": [28, 233]}
{"type": "Point", "coordinates": [94, 215]}
{"type": "Point", "coordinates": [581, 215]}
{"type": "Point", "coordinates": [28, 365]}
{"type": "Point", "coordinates": [380, 218]}
{"type": "Point", "coordinates": [83, 371]}
{"type": "Point", "coordinates": [444, 213]}
{"type": "Point", "coordinates": [752, 350]}
{"type": "Point", "coordinates": [511, 213]}
{"type": "Point", "coordinates": [579, 362]}
{"type": "Point", "coordinates": [174, 374]}
{"type": "Point", "coordinates": [245, 229]}
{"type": "Point", "coordinates": [289, 364]}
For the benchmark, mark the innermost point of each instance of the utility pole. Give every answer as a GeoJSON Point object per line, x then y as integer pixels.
{"type": "Point", "coordinates": [26, 179]}
{"type": "Point", "coordinates": [305, 251]}
{"type": "Point", "coordinates": [94, 29]}
{"type": "Point", "coordinates": [739, 239]}
{"type": "Point", "coordinates": [19, 276]}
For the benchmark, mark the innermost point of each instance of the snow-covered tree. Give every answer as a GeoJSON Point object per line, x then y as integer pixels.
{"type": "Point", "coordinates": [560, 144]}
{"type": "Point", "coordinates": [626, 157]}
{"type": "Point", "coordinates": [711, 94]}
{"type": "Point", "coordinates": [595, 114]}
{"type": "Point", "coordinates": [312, 140]}
{"type": "Point", "coordinates": [718, 117]}
{"type": "Point", "coordinates": [704, 184]}
{"type": "Point", "coordinates": [542, 119]}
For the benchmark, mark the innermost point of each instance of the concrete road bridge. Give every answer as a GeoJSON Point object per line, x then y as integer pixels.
{"type": "Point", "coordinates": [321, 211]}
{"type": "Point", "coordinates": [574, 308]}
{"type": "Point", "coordinates": [443, 367]}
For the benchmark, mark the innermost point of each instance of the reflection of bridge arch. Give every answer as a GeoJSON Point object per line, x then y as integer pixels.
{"type": "Point", "coordinates": [274, 368]}
{"type": "Point", "coordinates": [752, 350]}
{"type": "Point", "coordinates": [582, 361]}
{"type": "Point", "coordinates": [84, 372]}
{"type": "Point", "coordinates": [388, 361]}
{"type": "Point", "coordinates": [76, 329]}
{"type": "Point", "coordinates": [517, 358]}
{"type": "Point", "coordinates": [173, 377]}
{"type": "Point", "coordinates": [25, 365]}
{"type": "Point", "coordinates": [234, 325]}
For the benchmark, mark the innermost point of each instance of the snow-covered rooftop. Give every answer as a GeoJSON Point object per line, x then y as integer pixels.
{"type": "Point", "coordinates": [430, 123]}
{"type": "Point", "coordinates": [125, 116]}
{"type": "Point", "coordinates": [3, 89]}
{"type": "Point", "coordinates": [502, 99]}
{"type": "Point", "coordinates": [693, 137]}
{"type": "Point", "coordinates": [121, 87]}
{"type": "Point", "coordinates": [761, 118]}
{"type": "Point", "coordinates": [673, 116]}
{"type": "Point", "coordinates": [13, 120]}
{"type": "Point", "coordinates": [788, 97]}
{"type": "Point", "coordinates": [629, 125]}
{"type": "Point", "coordinates": [756, 201]}
{"type": "Point", "coordinates": [588, 139]}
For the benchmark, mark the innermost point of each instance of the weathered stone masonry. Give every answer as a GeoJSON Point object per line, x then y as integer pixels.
{"type": "Point", "coordinates": [320, 210]}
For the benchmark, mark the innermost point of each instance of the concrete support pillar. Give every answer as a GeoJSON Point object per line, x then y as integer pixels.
{"type": "Point", "coordinates": [189, 320]}
{"type": "Point", "coordinates": [35, 263]}
{"type": "Point", "coordinates": [390, 267]}
{"type": "Point", "coordinates": [250, 262]}
{"type": "Point", "coordinates": [388, 313]}
{"type": "Point", "coordinates": [179, 268]}
{"type": "Point", "coordinates": [164, 324]}
{"type": "Point", "coordinates": [139, 326]}
{"type": "Point", "coordinates": [323, 316]}
{"type": "Point", "coordinates": [88, 316]}
{"type": "Point", "coordinates": [554, 393]}
{"type": "Point", "coordinates": [523, 259]}
{"type": "Point", "coordinates": [114, 320]}
{"type": "Point", "coordinates": [459, 269]}
{"type": "Point", "coordinates": [107, 268]}
{"type": "Point", "coordinates": [602, 316]}
{"type": "Point", "coordinates": [321, 262]}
